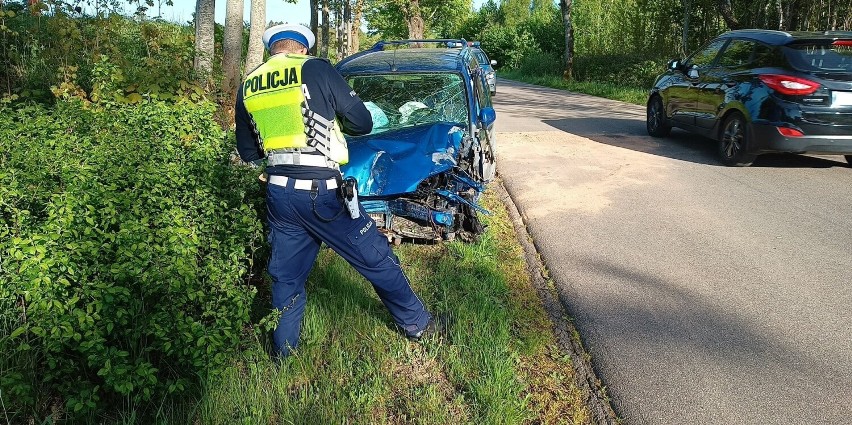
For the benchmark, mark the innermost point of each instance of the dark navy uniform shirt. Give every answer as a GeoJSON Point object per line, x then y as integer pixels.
{"type": "Point", "coordinates": [330, 96]}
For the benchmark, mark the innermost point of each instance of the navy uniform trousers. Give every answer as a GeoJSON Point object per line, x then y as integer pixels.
{"type": "Point", "coordinates": [296, 234]}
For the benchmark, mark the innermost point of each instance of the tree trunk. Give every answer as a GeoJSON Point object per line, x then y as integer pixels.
{"type": "Point", "coordinates": [338, 29]}
{"type": "Point", "coordinates": [314, 24]}
{"type": "Point", "coordinates": [355, 38]}
{"type": "Point", "coordinates": [347, 29]}
{"type": "Point", "coordinates": [727, 13]}
{"type": "Point", "coordinates": [258, 25]}
{"type": "Point", "coordinates": [415, 21]}
{"type": "Point", "coordinates": [232, 47]}
{"type": "Point", "coordinates": [565, 7]}
{"type": "Point", "coordinates": [687, 10]}
{"type": "Point", "coordinates": [325, 29]}
{"type": "Point", "coordinates": [793, 15]}
{"type": "Point", "coordinates": [204, 15]}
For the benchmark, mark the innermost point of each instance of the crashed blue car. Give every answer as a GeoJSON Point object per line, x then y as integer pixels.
{"type": "Point", "coordinates": [430, 155]}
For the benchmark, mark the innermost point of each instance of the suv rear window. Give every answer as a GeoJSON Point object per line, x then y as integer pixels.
{"type": "Point", "coordinates": [820, 57]}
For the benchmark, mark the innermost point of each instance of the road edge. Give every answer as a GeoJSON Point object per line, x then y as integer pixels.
{"type": "Point", "coordinates": [563, 326]}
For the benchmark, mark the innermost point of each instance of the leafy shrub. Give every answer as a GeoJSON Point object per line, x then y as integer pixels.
{"type": "Point", "coordinates": [125, 239]}
{"type": "Point", "coordinates": [507, 45]}
{"type": "Point", "coordinates": [541, 64]}
{"type": "Point", "coordinates": [546, 28]}
{"type": "Point", "coordinates": [40, 52]}
{"type": "Point", "coordinates": [624, 70]}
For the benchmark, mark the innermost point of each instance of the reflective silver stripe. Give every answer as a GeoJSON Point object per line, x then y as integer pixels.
{"type": "Point", "coordinates": [330, 184]}
{"type": "Point", "coordinates": [310, 117]}
{"type": "Point", "coordinates": [318, 129]}
{"type": "Point", "coordinates": [298, 158]}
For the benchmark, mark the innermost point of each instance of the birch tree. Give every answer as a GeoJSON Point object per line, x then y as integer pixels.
{"type": "Point", "coordinates": [204, 17]}
{"type": "Point", "coordinates": [232, 46]}
{"type": "Point", "coordinates": [254, 57]}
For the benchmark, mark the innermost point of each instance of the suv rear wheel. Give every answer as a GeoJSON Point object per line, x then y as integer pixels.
{"type": "Point", "coordinates": [733, 142]}
{"type": "Point", "coordinates": [849, 159]}
{"type": "Point", "coordinates": [657, 123]}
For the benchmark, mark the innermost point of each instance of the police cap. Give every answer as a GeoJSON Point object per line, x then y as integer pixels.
{"type": "Point", "coordinates": [295, 32]}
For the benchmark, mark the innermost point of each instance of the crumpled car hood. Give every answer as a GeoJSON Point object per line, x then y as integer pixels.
{"type": "Point", "coordinates": [395, 162]}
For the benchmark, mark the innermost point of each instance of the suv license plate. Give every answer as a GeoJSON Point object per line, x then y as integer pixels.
{"type": "Point", "coordinates": [841, 98]}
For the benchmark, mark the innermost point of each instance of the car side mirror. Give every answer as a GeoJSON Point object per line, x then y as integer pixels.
{"type": "Point", "coordinates": [493, 62]}
{"type": "Point", "coordinates": [693, 72]}
{"type": "Point", "coordinates": [487, 116]}
{"type": "Point", "coordinates": [673, 64]}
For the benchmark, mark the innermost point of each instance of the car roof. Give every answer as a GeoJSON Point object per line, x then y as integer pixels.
{"type": "Point", "coordinates": [378, 60]}
{"type": "Point", "coordinates": [780, 38]}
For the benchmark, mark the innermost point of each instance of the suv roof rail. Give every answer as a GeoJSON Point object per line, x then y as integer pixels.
{"type": "Point", "coordinates": [759, 31]}
{"type": "Point", "coordinates": [380, 46]}
{"type": "Point", "coordinates": [451, 42]}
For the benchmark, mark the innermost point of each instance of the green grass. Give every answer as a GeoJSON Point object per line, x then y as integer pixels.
{"type": "Point", "coordinates": [635, 95]}
{"type": "Point", "coordinates": [501, 365]}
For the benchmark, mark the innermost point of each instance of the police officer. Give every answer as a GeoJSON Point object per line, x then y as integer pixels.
{"type": "Point", "coordinates": [290, 112]}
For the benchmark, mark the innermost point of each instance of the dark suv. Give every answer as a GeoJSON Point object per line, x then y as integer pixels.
{"type": "Point", "coordinates": [760, 91]}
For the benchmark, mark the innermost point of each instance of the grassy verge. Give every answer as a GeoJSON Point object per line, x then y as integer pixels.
{"type": "Point", "coordinates": [501, 364]}
{"type": "Point", "coordinates": [635, 95]}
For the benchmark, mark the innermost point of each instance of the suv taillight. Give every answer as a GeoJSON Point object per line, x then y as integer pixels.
{"type": "Point", "coordinates": [844, 43]}
{"type": "Point", "coordinates": [786, 84]}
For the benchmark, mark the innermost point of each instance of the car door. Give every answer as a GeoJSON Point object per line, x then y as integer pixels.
{"type": "Point", "coordinates": [684, 92]}
{"type": "Point", "coordinates": [488, 162]}
{"type": "Point", "coordinates": [718, 80]}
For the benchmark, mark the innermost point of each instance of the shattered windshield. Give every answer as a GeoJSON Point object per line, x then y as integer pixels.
{"type": "Point", "coordinates": [402, 100]}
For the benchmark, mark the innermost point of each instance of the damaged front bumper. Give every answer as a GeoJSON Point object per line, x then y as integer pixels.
{"type": "Point", "coordinates": [419, 183]}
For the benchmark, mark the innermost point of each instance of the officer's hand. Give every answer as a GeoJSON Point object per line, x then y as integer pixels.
{"type": "Point", "coordinates": [262, 177]}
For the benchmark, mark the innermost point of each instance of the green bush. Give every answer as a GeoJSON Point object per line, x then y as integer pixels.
{"type": "Point", "coordinates": [126, 237]}
{"type": "Point", "coordinates": [44, 54]}
{"type": "Point", "coordinates": [625, 70]}
{"type": "Point", "coordinates": [546, 28]}
{"type": "Point", "coordinates": [541, 64]}
{"type": "Point", "coordinates": [507, 45]}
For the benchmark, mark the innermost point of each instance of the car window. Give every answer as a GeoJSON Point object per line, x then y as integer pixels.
{"type": "Point", "coordinates": [704, 57]}
{"type": "Point", "coordinates": [402, 100]}
{"type": "Point", "coordinates": [737, 55]}
{"type": "Point", "coordinates": [483, 94]}
{"type": "Point", "coordinates": [767, 57]}
{"type": "Point", "coordinates": [483, 60]}
{"type": "Point", "coordinates": [820, 57]}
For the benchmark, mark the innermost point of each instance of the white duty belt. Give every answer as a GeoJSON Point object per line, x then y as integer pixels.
{"type": "Point", "coordinates": [296, 157]}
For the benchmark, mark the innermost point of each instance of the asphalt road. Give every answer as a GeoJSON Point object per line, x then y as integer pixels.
{"type": "Point", "coordinates": [704, 294]}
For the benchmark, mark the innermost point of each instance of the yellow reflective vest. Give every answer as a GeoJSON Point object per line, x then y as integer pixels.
{"type": "Point", "coordinates": [273, 96]}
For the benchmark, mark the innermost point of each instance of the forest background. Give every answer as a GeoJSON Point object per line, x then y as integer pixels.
{"type": "Point", "coordinates": [131, 245]}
